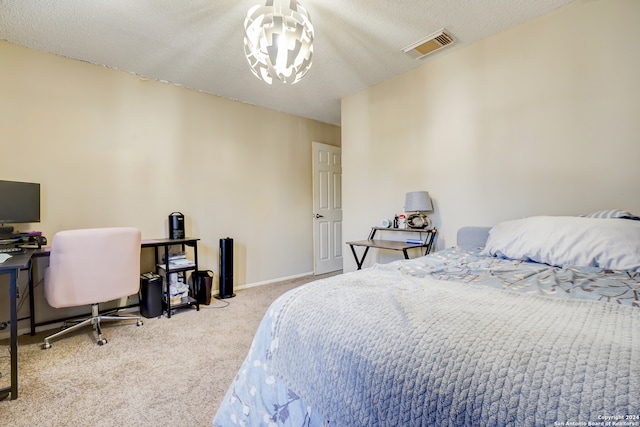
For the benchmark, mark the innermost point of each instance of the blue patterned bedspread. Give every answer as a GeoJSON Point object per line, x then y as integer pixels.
{"type": "Point", "coordinates": [621, 287]}
{"type": "Point", "coordinates": [275, 388]}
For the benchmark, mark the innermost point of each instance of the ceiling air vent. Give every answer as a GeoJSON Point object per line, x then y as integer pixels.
{"type": "Point", "coordinates": [429, 44]}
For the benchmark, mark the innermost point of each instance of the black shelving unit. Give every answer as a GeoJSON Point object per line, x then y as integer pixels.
{"type": "Point", "coordinates": [164, 270]}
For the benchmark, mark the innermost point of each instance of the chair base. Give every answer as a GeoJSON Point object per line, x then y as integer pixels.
{"type": "Point", "coordinates": [95, 319]}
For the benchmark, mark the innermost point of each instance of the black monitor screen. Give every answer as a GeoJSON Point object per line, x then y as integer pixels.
{"type": "Point", "coordinates": [19, 202]}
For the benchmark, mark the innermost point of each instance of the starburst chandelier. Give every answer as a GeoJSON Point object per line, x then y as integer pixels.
{"type": "Point", "coordinates": [278, 41]}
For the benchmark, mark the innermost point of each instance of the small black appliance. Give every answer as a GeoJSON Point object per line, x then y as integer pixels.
{"type": "Point", "coordinates": [176, 225]}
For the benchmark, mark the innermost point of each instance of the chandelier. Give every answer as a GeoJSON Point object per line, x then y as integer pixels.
{"type": "Point", "coordinates": [278, 41]}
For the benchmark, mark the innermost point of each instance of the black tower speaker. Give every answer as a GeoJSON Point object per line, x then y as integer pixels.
{"type": "Point", "coordinates": [176, 225]}
{"type": "Point", "coordinates": [226, 268]}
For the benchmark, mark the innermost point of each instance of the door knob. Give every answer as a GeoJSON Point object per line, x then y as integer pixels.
{"type": "Point", "coordinates": [318, 216]}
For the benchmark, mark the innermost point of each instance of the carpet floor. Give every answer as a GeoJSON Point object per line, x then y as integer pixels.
{"type": "Point", "coordinates": [167, 372]}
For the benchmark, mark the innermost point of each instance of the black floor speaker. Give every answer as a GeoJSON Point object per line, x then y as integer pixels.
{"type": "Point", "coordinates": [226, 268]}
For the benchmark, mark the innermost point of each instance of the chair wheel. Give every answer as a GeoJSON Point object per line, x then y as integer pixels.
{"type": "Point", "coordinates": [46, 346]}
{"type": "Point", "coordinates": [139, 323]}
{"type": "Point", "coordinates": [103, 341]}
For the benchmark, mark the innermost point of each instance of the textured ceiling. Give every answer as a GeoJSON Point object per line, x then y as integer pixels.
{"type": "Point", "coordinates": [199, 43]}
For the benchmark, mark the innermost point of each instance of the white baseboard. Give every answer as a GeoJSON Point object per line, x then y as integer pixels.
{"type": "Point", "coordinates": [269, 282]}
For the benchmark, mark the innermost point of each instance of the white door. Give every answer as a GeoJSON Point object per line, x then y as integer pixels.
{"type": "Point", "coordinates": [327, 208]}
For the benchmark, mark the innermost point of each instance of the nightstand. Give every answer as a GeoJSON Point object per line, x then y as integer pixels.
{"type": "Point", "coordinates": [425, 240]}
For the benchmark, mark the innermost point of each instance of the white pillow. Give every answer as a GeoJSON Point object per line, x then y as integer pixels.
{"type": "Point", "coordinates": [564, 240]}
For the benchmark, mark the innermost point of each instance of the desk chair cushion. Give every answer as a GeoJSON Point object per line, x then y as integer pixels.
{"type": "Point", "coordinates": [90, 266]}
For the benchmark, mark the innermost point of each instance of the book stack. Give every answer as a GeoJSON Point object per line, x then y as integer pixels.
{"type": "Point", "coordinates": [177, 261]}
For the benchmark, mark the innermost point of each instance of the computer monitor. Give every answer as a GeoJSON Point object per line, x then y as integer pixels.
{"type": "Point", "coordinates": [19, 202]}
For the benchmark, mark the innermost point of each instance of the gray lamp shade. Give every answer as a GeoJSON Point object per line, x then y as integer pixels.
{"type": "Point", "coordinates": [418, 201]}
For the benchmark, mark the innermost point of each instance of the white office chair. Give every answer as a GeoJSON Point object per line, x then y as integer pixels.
{"type": "Point", "coordinates": [92, 266]}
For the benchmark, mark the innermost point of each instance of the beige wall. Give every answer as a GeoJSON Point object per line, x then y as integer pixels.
{"type": "Point", "coordinates": [111, 149]}
{"type": "Point", "coordinates": [541, 119]}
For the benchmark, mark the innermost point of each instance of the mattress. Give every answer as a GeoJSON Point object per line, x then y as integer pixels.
{"type": "Point", "coordinates": [452, 338]}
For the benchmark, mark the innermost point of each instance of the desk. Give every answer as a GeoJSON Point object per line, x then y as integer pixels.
{"type": "Point", "coordinates": [12, 267]}
{"type": "Point", "coordinates": [394, 245]}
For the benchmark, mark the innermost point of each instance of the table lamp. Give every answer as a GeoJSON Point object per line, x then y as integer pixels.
{"type": "Point", "coordinates": [417, 202]}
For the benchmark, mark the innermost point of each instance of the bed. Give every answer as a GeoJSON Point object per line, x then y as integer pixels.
{"type": "Point", "coordinates": [531, 322]}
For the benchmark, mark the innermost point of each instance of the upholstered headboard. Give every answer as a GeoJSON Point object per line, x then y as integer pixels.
{"type": "Point", "coordinates": [472, 237]}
